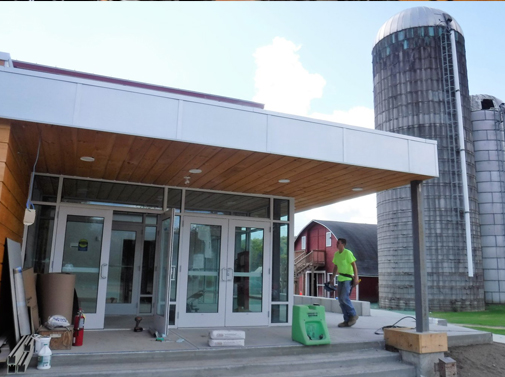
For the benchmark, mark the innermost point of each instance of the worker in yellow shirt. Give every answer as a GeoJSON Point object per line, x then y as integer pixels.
{"type": "Point", "coordinates": [345, 266]}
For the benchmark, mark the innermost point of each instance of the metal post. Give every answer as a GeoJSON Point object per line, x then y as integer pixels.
{"type": "Point", "coordinates": [420, 275]}
{"type": "Point", "coordinates": [312, 270]}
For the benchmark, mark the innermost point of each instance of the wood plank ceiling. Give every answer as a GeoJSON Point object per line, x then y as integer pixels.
{"type": "Point", "coordinates": [162, 162]}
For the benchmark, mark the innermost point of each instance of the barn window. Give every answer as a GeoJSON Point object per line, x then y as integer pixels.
{"type": "Point", "coordinates": [328, 239]}
{"type": "Point", "coordinates": [304, 242]}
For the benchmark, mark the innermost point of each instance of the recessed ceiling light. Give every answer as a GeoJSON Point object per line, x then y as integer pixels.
{"type": "Point", "coordinates": [357, 189]}
{"type": "Point", "coordinates": [87, 158]}
{"type": "Point", "coordinates": [284, 181]}
{"type": "Point", "coordinates": [195, 171]}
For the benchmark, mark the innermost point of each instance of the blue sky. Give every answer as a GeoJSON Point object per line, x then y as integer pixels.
{"type": "Point", "coordinates": [306, 58]}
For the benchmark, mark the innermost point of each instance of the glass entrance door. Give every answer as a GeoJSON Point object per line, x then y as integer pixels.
{"type": "Point", "coordinates": [124, 269]}
{"type": "Point", "coordinates": [203, 273]}
{"type": "Point", "coordinates": [164, 268]}
{"type": "Point", "coordinates": [223, 282]}
{"type": "Point", "coordinates": [247, 299]}
{"type": "Point", "coordinates": [82, 248]}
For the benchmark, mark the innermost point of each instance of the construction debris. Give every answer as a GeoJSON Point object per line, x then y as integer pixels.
{"type": "Point", "coordinates": [20, 356]}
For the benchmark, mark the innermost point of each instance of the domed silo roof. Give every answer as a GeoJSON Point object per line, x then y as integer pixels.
{"type": "Point", "coordinates": [414, 17]}
{"type": "Point", "coordinates": [477, 101]}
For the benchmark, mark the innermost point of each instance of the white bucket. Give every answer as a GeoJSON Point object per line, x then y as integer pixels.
{"type": "Point", "coordinates": [44, 360]}
{"type": "Point", "coordinates": [40, 342]}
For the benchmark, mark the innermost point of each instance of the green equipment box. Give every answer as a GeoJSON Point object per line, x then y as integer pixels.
{"type": "Point", "coordinates": [309, 325]}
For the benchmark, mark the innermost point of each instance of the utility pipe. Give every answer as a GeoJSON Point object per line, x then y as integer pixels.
{"type": "Point", "coordinates": [462, 151]}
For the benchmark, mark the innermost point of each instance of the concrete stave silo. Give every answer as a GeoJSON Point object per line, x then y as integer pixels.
{"type": "Point", "coordinates": [414, 95]}
{"type": "Point", "coordinates": [488, 114]}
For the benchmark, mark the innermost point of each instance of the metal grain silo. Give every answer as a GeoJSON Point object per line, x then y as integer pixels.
{"type": "Point", "coordinates": [414, 94]}
{"type": "Point", "coordinates": [488, 115]}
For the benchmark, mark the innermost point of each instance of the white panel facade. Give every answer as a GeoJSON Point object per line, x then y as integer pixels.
{"type": "Point", "coordinates": [223, 126]}
{"type": "Point", "coordinates": [376, 150]}
{"type": "Point", "coordinates": [126, 112]}
{"type": "Point", "coordinates": [36, 99]}
{"type": "Point", "coordinates": [429, 157]}
{"type": "Point", "coordinates": [68, 101]}
{"type": "Point", "coordinates": [307, 139]}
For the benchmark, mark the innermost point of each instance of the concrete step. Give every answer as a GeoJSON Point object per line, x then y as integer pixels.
{"type": "Point", "coordinates": [211, 353]}
{"type": "Point", "coordinates": [387, 369]}
{"type": "Point", "coordinates": [271, 361]}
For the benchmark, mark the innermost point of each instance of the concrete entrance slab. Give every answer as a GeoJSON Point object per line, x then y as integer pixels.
{"type": "Point", "coordinates": [368, 329]}
{"type": "Point", "coordinates": [122, 352]}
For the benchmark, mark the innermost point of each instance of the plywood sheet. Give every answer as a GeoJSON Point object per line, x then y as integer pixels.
{"type": "Point", "coordinates": [14, 255]}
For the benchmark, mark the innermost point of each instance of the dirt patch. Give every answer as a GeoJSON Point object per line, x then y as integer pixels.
{"type": "Point", "coordinates": [482, 360]}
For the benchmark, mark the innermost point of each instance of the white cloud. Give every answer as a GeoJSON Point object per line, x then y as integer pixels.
{"type": "Point", "coordinates": [359, 210]}
{"type": "Point", "coordinates": [281, 82]}
{"type": "Point", "coordinates": [357, 116]}
{"type": "Point", "coordinates": [284, 85]}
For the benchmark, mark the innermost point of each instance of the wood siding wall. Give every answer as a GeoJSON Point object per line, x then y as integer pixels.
{"type": "Point", "coordinates": [14, 186]}
{"type": "Point", "coordinates": [317, 237]}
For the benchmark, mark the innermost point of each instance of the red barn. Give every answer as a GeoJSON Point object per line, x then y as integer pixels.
{"type": "Point", "coordinates": [315, 246]}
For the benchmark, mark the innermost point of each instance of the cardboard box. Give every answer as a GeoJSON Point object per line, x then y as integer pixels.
{"type": "Point", "coordinates": [31, 298]}
{"type": "Point", "coordinates": [61, 337]}
{"type": "Point", "coordinates": [410, 340]}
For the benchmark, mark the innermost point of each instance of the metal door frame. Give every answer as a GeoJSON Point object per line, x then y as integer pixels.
{"type": "Point", "coordinates": [249, 318]}
{"type": "Point", "coordinates": [161, 322]}
{"type": "Point", "coordinates": [93, 320]}
{"type": "Point", "coordinates": [224, 316]}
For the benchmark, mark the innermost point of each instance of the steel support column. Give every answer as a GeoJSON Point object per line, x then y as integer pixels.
{"type": "Point", "coordinates": [420, 275]}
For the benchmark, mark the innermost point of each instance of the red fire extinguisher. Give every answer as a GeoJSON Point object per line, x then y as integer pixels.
{"type": "Point", "coordinates": [79, 320]}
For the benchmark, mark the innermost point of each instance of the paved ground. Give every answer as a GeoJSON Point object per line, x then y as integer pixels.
{"type": "Point", "coordinates": [120, 342]}
{"type": "Point", "coordinates": [367, 329]}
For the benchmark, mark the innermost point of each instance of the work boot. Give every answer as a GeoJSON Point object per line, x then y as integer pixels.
{"type": "Point", "coordinates": [352, 320]}
{"type": "Point", "coordinates": [343, 324]}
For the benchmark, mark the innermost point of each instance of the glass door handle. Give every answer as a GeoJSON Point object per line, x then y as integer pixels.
{"type": "Point", "coordinates": [226, 274]}
{"type": "Point", "coordinates": [101, 270]}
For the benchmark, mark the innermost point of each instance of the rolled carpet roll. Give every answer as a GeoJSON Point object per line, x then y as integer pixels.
{"type": "Point", "coordinates": [56, 295]}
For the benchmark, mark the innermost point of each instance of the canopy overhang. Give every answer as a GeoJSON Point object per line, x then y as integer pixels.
{"type": "Point", "coordinates": [155, 137]}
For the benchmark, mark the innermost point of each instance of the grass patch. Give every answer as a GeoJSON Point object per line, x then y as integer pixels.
{"type": "Point", "coordinates": [494, 315]}
{"type": "Point", "coordinates": [487, 329]}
